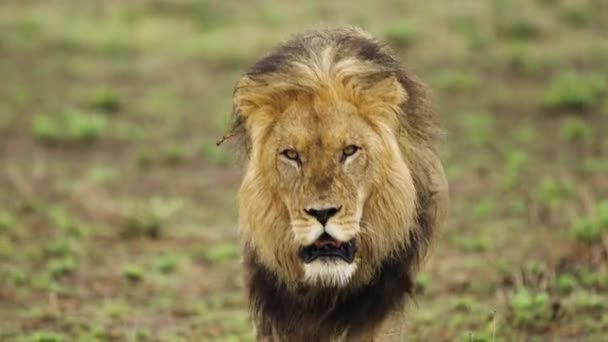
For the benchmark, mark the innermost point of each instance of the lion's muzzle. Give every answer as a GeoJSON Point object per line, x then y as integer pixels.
{"type": "Point", "coordinates": [328, 247]}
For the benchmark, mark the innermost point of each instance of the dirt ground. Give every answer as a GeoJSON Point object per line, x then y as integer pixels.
{"type": "Point", "coordinates": [117, 210]}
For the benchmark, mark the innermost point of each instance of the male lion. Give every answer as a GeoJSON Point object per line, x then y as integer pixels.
{"type": "Point", "coordinates": [342, 189]}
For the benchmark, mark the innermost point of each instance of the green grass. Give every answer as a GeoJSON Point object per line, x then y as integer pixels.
{"type": "Point", "coordinates": [575, 91]}
{"type": "Point", "coordinates": [69, 127]}
{"type": "Point", "coordinates": [401, 34]}
{"type": "Point", "coordinates": [531, 309]}
{"type": "Point", "coordinates": [118, 216]}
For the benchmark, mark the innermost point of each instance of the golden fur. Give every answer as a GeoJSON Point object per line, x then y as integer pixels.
{"type": "Point", "coordinates": [315, 95]}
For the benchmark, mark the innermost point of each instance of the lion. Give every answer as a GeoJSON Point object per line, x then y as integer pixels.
{"type": "Point", "coordinates": [342, 188]}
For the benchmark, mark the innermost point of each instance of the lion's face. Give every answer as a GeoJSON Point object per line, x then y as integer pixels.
{"type": "Point", "coordinates": [323, 166]}
{"type": "Point", "coordinates": [325, 163]}
{"type": "Point", "coordinates": [322, 169]}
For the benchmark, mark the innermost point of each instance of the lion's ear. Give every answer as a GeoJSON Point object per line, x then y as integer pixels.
{"type": "Point", "coordinates": [387, 90]}
{"type": "Point", "coordinates": [263, 97]}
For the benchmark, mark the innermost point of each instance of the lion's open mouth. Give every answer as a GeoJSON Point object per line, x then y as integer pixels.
{"type": "Point", "coordinates": [327, 246]}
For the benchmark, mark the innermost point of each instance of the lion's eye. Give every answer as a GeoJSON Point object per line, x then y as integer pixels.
{"type": "Point", "coordinates": [291, 154]}
{"type": "Point", "coordinates": [349, 150]}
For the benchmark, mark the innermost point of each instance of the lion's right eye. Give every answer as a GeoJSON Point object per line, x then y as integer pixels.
{"type": "Point", "coordinates": [291, 154]}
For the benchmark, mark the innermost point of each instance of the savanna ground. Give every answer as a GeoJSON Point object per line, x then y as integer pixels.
{"type": "Point", "coordinates": [117, 210]}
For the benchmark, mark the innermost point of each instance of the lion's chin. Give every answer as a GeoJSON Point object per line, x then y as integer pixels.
{"type": "Point", "coordinates": [329, 272]}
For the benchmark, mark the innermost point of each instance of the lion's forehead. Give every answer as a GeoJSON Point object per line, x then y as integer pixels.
{"type": "Point", "coordinates": [319, 127]}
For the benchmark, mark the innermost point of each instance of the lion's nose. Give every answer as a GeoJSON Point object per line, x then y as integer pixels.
{"type": "Point", "coordinates": [323, 215]}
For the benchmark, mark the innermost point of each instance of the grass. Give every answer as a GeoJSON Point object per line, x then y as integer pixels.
{"type": "Point", "coordinates": [69, 127]}
{"type": "Point", "coordinates": [117, 210]}
{"type": "Point", "coordinates": [531, 309]}
{"type": "Point", "coordinates": [402, 34]}
{"type": "Point", "coordinates": [575, 91]}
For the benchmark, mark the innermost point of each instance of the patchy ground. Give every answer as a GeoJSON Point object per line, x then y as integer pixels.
{"type": "Point", "coordinates": [117, 215]}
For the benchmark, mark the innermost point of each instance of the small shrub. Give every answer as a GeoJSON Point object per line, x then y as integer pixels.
{"type": "Point", "coordinates": [7, 247]}
{"type": "Point", "coordinates": [518, 28]}
{"type": "Point", "coordinates": [106, 100]}
{"type": "Point", "coordinates": [575, 129]}
{"type": "Point", "coordinates": [401, 34]}
{"type": "Point", "coordinates": [523, 60]}
{"type": "Point", "coordinates": [565, 283]}
{"type": "Point", "coordinates": [587, 231]}
{"type": "Point", "coordinates": [61, 267]}
{"type": "Point", "coordinates": [548, 2]}
{"type": "Point", "coordinates": [456, 80]}
{"type": "Point", "coordinates": [577, 16]}
{"type": "Point", "coordinates": [469, 29]}
{"type": "Point", "coordinates": [574, 91]}
{"type": "Point", "coordinates": [422, 282]}
{"type": "Point", "coordinates": [16, 277]}
{"type": "Point", "coordinates": [148, 218]}
{"type": "Point", "coordinates": [46, 336]}
{"type": "Point", "coordinates": [551, 192]}
{"type": "Point", "coordinates": [7, 221]}
{"type": "Point", "coordinates": [479, 128]}
{"type": "Point", "coordinates": [516, 160]}
{"type": "Point", "coordinates": [133, 274]}
{"type": "Point", "coordinates": [477, 336]}
{"type": "Point", "coordinates": [584, 301]}
{"type": "Point", "coordinates": [601, 214]}
{"type": "Point", "coordinates": [69, 127]}
{"type": "Point", "coordinates": [588, 278]}
{"type": "Point", "coordinates": [465, 304]}
{"type": "Point", "coordinates": [221, 252]}
{"type": "Point", "coordinates": [531, 309]}
{"type": "Point", "coordinates": [165, 264]}
{"type": "Point", "coordinates": [174, 153]}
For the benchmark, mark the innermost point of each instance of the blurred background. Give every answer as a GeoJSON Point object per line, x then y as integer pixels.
{"type": "Point", "coordinates": [117, 210]}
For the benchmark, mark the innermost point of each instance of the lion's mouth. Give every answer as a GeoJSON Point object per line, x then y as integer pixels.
{"type": "Point", "coordinates": [328, 247]}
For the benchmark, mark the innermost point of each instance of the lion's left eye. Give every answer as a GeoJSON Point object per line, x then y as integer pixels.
{"type": "Point", "coordinates": [349, 150]}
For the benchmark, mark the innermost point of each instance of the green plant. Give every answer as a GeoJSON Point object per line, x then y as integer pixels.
{"type": "Point", "coordinates": [61, 267]}
{"type": "Point", "coordinates": [587, 301]}
{"type": "Point", "coordinates": [46, 336]}
{"type": "Point", "coordinates": [586, 230]}
{"type": "Point", "coordinates": [221, 252]}
{"type": "Point", "coordinates": [456, 80]}
{"type": "Point", "coordinates": [149, 217]}
{"type": "Point", "coordinates": [421, 283]}
{"type": "Point", "coordinates": [165, 264]}
{"type": "Point", "coordinates": [577, 16]}
{"type": "Point", "coordinates": [565, 283]}
{"type": "Point", "coordinates": [7, 247]}
{"type": "Point", "coordinates": [174, 153]}
{"type": "Point", "coordinates": [133, 273]}
{"type": "Point", "coordinates": [530, 309]}
{"type": "Point", "coordinates": [523, 60]}
{"type": "Point", "coordinates": [575, 91]}
{"type": "Point", "coordinates": [468, 28]}
{"type": "Point", "coordinates": [551, 192]}
{"type": "Point", "coordinates": [601, 214]}
{"type": "Point", "coordinates": [106, 100]}
{"type": "Point", "coordinates": [479, 128]}
{"type": "Point", "coordinates": [518, 28]}
{"type": "Point", "coordinates": [401, 34]}
{"type": "Point", "coordinates": [69, 127]}
{"type": "Point", "coordinates": [7, 221]}
{"type": "Point", "coordinates": [575, 129]}
{"type": "Point", "coordinates": [15, 277]}
{"type": "Point", "coordinates": [516, 160]}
